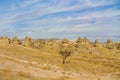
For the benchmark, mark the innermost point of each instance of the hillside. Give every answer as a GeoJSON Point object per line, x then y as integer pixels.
{"type": "Point", "coordinates": [27, 63]}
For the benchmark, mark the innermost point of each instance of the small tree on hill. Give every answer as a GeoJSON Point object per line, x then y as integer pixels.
{"type": "Point", "coordinates": [66, 52]}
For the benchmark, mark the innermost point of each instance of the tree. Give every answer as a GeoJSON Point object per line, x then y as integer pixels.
{"type": "Point", "coordinates": [66, 52]}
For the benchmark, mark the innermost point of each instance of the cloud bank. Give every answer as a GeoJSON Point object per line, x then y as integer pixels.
{"type": "Point", "coordinates": [61, 18]}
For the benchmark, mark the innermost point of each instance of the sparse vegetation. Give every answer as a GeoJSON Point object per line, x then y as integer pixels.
{"type": "Point", "coordinates": [40, 62]}
{"type": "Point", "coordinates": [66, 52]}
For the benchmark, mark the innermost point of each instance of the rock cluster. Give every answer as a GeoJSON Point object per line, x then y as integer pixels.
{"type": "Point", "coordinates": [82, 42]}
{"type": "Point", "coordinates": [39, 43]}
{"type": "Point", "coordinates": [51, 43]}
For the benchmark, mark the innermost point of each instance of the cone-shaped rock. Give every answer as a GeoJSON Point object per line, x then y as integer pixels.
{"type": "Point", "coordinates": [27, 41]}
{"type": "Point", "coordinates": [110, 44]}
{"type": "Point", "coordinates": [86, 41]}
{"type": "Point", "coordinates": [15, 40]}
{"type": "Point", "coordinates": [79, 40]}
{"type": "Point", "coordinates": [97, 44]}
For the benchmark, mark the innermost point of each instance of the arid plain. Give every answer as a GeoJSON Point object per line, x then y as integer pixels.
{"type": "Point", "coordinates": [41, 59]}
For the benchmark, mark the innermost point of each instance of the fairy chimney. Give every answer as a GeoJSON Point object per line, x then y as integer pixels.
{"type": "Point", "coordinates": [85, 41]}
{"type": "Point", "coordinates": [97, 44]}
{"type": "Point", "coordinates": [110, 44]}
{"type": "Point", "coordinates": [79, 40]}
{"type": "Point", "coordinates": [15, 40]}
{"type": "Point", "coordinates": [27, 41]}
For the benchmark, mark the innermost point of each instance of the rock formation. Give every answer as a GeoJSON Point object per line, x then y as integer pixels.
{"type": "Point", "coordinates": [97, 44]}
{"type": "Point", "coordinates": [50, 42]}
{"type": "Point", "coordinates": [117, 45]}
{"type": "Point", "coordinates": [79, 40]}
{"type": "Point", "coordinates": [65, 42]}
{"type": "Point", "coordinates": [4, 40]}
{"type": "Point", "coordinates": [110, 44]}
{"type": "Point", "coordinates": [15, 40]}
{"type": "Point", "coordinates": [85, 41]}
{"type": "Point", "coordinates": [82, 42]}
{"type": "Point", "coordinates": [39, 43]}
{"type": "Point", "coordinates": [27, 41]}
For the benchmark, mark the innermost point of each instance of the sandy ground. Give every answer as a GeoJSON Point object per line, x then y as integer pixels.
{"type": "Point", "coordinates": [23, 69]}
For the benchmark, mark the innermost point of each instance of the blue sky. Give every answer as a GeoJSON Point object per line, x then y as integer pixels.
{"type": "Point", "coordinates": [95, 19]}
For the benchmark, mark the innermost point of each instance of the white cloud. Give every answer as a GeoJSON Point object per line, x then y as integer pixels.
{"type": "Point", "coordinates": [94, 15]}
{"type": "Point", "coordinates": [27, 13]}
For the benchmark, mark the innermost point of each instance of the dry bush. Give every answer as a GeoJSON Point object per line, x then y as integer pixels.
{"type": "Point", "coordinates": [66, 52]}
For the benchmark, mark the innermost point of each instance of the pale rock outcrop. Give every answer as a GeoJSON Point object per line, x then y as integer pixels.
{"type": "Point", "coordinates": [110, 44]}
{"type": "Point", "coordinates": [97, 44]}
{"type": "Point", "coordinates": [27, 41]}
{"type": "Point", "coordinates": [39, 43]}
{"type": "Point", "coordinates": [4, 40]}
{"type": "Point", "coordinates": [65, 42]}
{"type": "Point", "coordinates": [15, 41]}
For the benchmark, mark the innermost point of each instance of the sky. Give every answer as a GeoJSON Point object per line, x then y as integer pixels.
{"type": "Point", "coordinates": [95, 19]}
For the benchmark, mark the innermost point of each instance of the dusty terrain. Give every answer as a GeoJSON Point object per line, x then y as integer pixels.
{"type": "Point", "coordinates": [18, 62]}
